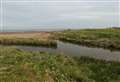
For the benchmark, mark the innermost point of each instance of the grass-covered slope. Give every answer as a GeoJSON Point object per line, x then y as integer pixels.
{"type": "Point", "coordinates": [23, 66]}
{"type": "Point", "coordinates": [106, 38]}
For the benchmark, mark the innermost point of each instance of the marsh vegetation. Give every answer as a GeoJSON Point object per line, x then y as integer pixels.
{"type": "Point", "coordinates": [22, 66]}
{"type": "Point", "coordinates": [18, 65]}
{"type": "Point", "coordinates": [33, 39]}
{"type": "Point", "coordinates": [105, 38]}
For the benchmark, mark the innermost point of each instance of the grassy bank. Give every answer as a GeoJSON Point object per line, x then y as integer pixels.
{"type": "Point", "coordinates": [23, 66]}
{"type": "Point", "coordinates": [34, 39]}
{"type": "Point", "coordinates": [105, 38]}
{"type": "Point", "coordinates": [28, 41]}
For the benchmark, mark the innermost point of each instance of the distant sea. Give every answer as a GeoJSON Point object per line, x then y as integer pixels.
{"type": "Point", "coordinates": [31, 30]}
{"type": "Point", "coordinates": [47, 30]}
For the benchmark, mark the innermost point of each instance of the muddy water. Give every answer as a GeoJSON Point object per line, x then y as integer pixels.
{"type": "Point", "coordinates": [78, 51]}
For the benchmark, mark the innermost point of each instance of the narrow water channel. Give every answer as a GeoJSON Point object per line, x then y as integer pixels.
{"type": "Point", "coordinates": [78, 51]}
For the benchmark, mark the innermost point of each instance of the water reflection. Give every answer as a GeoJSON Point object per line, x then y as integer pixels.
{"type": "Point", "coordinates": [76, 50]}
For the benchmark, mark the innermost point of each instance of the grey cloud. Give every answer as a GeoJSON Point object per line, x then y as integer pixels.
{"type": "Point", "coordinates": [79, 14]}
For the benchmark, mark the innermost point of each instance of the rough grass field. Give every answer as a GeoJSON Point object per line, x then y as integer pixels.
{"type": "Point", "coordinates": [23, 66]}
{"type": "Point", "coordinates": [28, 38]}
{"type": "Point", "coordinates": [106, 38]}
{"type": "Point", "coordinates": [40, 35]}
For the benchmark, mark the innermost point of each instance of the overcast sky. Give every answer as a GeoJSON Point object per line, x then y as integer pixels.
{"type": "Point", "coordinates": [33, 14]}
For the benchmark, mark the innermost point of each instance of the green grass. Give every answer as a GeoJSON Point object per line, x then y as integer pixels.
{"type": "Point", "coordinates": [28, 41]}
{"type": "Point", "coordinates": [105, 38]}
{"type": "Point", "coordinates": [24, 66]}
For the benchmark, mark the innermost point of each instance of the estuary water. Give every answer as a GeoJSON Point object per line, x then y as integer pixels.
{"type": "Point", "coordinates": [77, 51]}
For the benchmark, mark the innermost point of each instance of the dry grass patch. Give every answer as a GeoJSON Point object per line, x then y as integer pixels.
{"type": "Point", "coordinates": [40, 35]}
